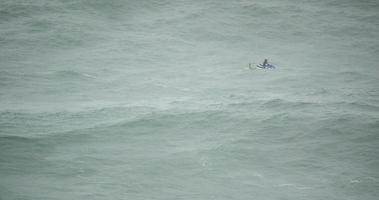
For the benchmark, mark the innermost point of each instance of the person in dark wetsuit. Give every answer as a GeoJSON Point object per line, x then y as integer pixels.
{"type": "Point", "coordinates": [265, 63]}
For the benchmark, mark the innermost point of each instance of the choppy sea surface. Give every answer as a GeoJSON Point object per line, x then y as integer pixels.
{"type": "Point", "coordinates": [153, 99]}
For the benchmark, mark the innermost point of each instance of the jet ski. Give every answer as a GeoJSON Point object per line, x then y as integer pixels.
{"type": "Point", "coordinates": [266, 65]}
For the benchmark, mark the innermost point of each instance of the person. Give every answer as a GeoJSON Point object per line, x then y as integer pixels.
{"type": "Point", "coordinates": [265, 62]}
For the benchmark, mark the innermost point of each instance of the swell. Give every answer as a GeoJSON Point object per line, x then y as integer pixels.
{"type": "Point", "coordinates": [287, 105]}
{"type": "Point", "coordinates": [12, 9]}
{"type": "Point", "coordinates": [341, 115]}
{"type": "Point", "coordinates": [70, 75]}
{"type": "Point", "coordinates": [358, 106]}
{"type": "Point", "coordinates": [354, 76]}
{"type": "Point", "coordinates": [29, 124]}
{"type": "Point", "coordinates": [44, 79]}
{"type": "Point", "coordinates": [39, 26]}
{"type": "Point", "coordinates": [148, 122]}
{"type": "Point", "coordinates": [282, 104]}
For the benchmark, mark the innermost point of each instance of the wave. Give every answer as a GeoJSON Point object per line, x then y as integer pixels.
{"type": "Point", "coordinates": [357, 106]}
{"type": "Point", "coordinates": [284, 104]}
{"type": "Point", "coordinates": [21, 123]}
{"type": "Point", "coordinates": [16, 10]}
{"type": "Point", "coordinates": [11, 79]}
{"type": "Point", "coordinates": [71, 75]}
{"type": "Point", "coordinates": [7, 138]}
{"type": "Point", "coordinates": [159, 125]}
{"type": "Point", "coordinates": [374, 125]}
{"type": "Point", "coordinates": [279, 104]}
{"type": "Point", "coordinates": [166, 119]}
{"type": "Point", "coordinates": [353, 75]}
{"type": "Point", "coordinates": [348, 106]}
{"type": "Point", "coordinates": [6, 78]}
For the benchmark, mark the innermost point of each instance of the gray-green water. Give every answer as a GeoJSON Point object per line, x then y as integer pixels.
{"type": "Point", "coordinates": [152, 99]}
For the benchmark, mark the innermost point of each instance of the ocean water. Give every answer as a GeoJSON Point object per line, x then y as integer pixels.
{"type": "Point", "coordinates": [153, 99]}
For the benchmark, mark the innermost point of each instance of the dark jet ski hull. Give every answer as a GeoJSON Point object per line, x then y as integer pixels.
{"type": "Point", "coordinates": [267, 66]}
